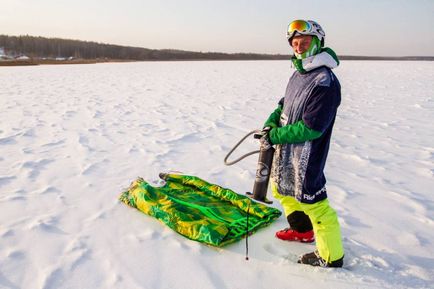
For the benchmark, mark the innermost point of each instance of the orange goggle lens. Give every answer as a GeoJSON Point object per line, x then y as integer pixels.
{"type": "Point", "coordinates": [298, 25]}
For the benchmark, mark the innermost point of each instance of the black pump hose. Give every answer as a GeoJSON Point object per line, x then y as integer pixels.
{"type": "Point", "coordinates": [228, 163]}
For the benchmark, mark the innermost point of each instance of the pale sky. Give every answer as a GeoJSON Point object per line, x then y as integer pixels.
{"type": "Point", "coordinates": [352, 27]}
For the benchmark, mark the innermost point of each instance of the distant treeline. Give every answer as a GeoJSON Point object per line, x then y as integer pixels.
{"type": "Point", "coordinates": [42, 47]}
{"type": "Point", "coordinates": [39, 47]}
{"type": "Point", "coordinates": [400, 58]}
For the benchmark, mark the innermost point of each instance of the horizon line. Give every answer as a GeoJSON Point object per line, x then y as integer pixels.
{"type": "Point", "coordinates": [214, 52]}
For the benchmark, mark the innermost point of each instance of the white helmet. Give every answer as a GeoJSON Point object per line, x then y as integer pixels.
{"type": "Point", "coordinates": [305, 27]}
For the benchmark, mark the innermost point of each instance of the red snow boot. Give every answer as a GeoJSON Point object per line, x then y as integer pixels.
{"type": "Point", "coordinates": [290, 235]}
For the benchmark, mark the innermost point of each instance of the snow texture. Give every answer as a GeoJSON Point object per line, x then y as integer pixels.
{"type": "Point", "coordinates": [73, 137]}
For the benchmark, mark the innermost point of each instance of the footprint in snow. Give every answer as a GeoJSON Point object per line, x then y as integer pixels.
{"type": "Point", "coordinates": [95, 167]}
{"type": "Point", "coordinates": [49, 190]}
{"type": "Point", "coordinates": [280, 252]}
{"type": "Point", "coordinates": [69, 114]}
{"type": "Point", "coordinates": [47, 224]}
{"type": "Point", "coordinates": [54, 143]}
{"type": "Point", "coordinates": [8, 140]}
{"type": "Point", "coordinates": [148, 235]}
{"type": "Point", "coordinates": [7, 233]}
{"type": "Point", "coordinates": [36, 167]}
{"type": "Point", "coordinates": [6, 180]}
{"type": "Point", "coordinates": [16, 254]}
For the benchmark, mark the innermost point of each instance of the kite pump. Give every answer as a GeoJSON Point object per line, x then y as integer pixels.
{"type": "Point", "coordinates": [263, 170]}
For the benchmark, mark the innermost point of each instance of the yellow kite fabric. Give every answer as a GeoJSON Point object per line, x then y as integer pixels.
{"type": "Point", "coordinates": [199, 210]}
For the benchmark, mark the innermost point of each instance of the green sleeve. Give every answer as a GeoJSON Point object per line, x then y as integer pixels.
{"type": "Point", "coordinates": [273, 119]}
{"type": "Point", "coordinates": [293, 133]}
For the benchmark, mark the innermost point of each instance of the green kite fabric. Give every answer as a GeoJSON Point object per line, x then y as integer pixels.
{"type": "Point", "coordinates": [199, 210]}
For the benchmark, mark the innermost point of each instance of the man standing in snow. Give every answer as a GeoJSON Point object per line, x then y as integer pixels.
{"type": "Point", "coordinates": [301, 128]}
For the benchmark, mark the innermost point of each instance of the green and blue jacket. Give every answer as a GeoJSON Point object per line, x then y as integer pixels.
{"type": "Point", "coordinates": [302, 125]}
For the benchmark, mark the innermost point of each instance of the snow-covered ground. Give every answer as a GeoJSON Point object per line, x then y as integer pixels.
{"type": "Point", "coordinates": [73, 137]}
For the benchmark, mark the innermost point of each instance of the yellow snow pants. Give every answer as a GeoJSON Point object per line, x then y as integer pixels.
{"type": "Point", "coordinates": [324, 221]}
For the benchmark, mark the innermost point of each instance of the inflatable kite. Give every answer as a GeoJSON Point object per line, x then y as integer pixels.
{"type": "Point", "coordinates": [199, 210]}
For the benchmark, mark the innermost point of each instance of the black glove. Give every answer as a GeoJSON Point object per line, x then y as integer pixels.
{"type": "Point", "coordinates": [265, 139]}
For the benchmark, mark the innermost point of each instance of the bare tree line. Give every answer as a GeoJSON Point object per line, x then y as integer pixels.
{"type": "Point", "coordinates": [39, 47]}
{"type": "Point", "coordinates": [42, 47]}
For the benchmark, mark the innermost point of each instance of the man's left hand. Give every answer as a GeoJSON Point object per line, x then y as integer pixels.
{"type": "Point", "coordinates": [265, 139]}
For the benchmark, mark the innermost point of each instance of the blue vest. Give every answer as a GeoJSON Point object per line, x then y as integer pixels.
{"type": "Point", "coordinates": [298, 168]}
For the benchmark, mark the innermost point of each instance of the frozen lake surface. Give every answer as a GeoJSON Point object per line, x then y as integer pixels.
{"type": "Point", "coordinates": [73, 137]}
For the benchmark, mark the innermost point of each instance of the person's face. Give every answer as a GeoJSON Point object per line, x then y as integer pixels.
{"type": "Point", "coordinates": [301, 43]}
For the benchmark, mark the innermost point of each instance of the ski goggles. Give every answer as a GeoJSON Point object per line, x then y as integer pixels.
{"type": "Point", "coordinates": [299, 26]}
